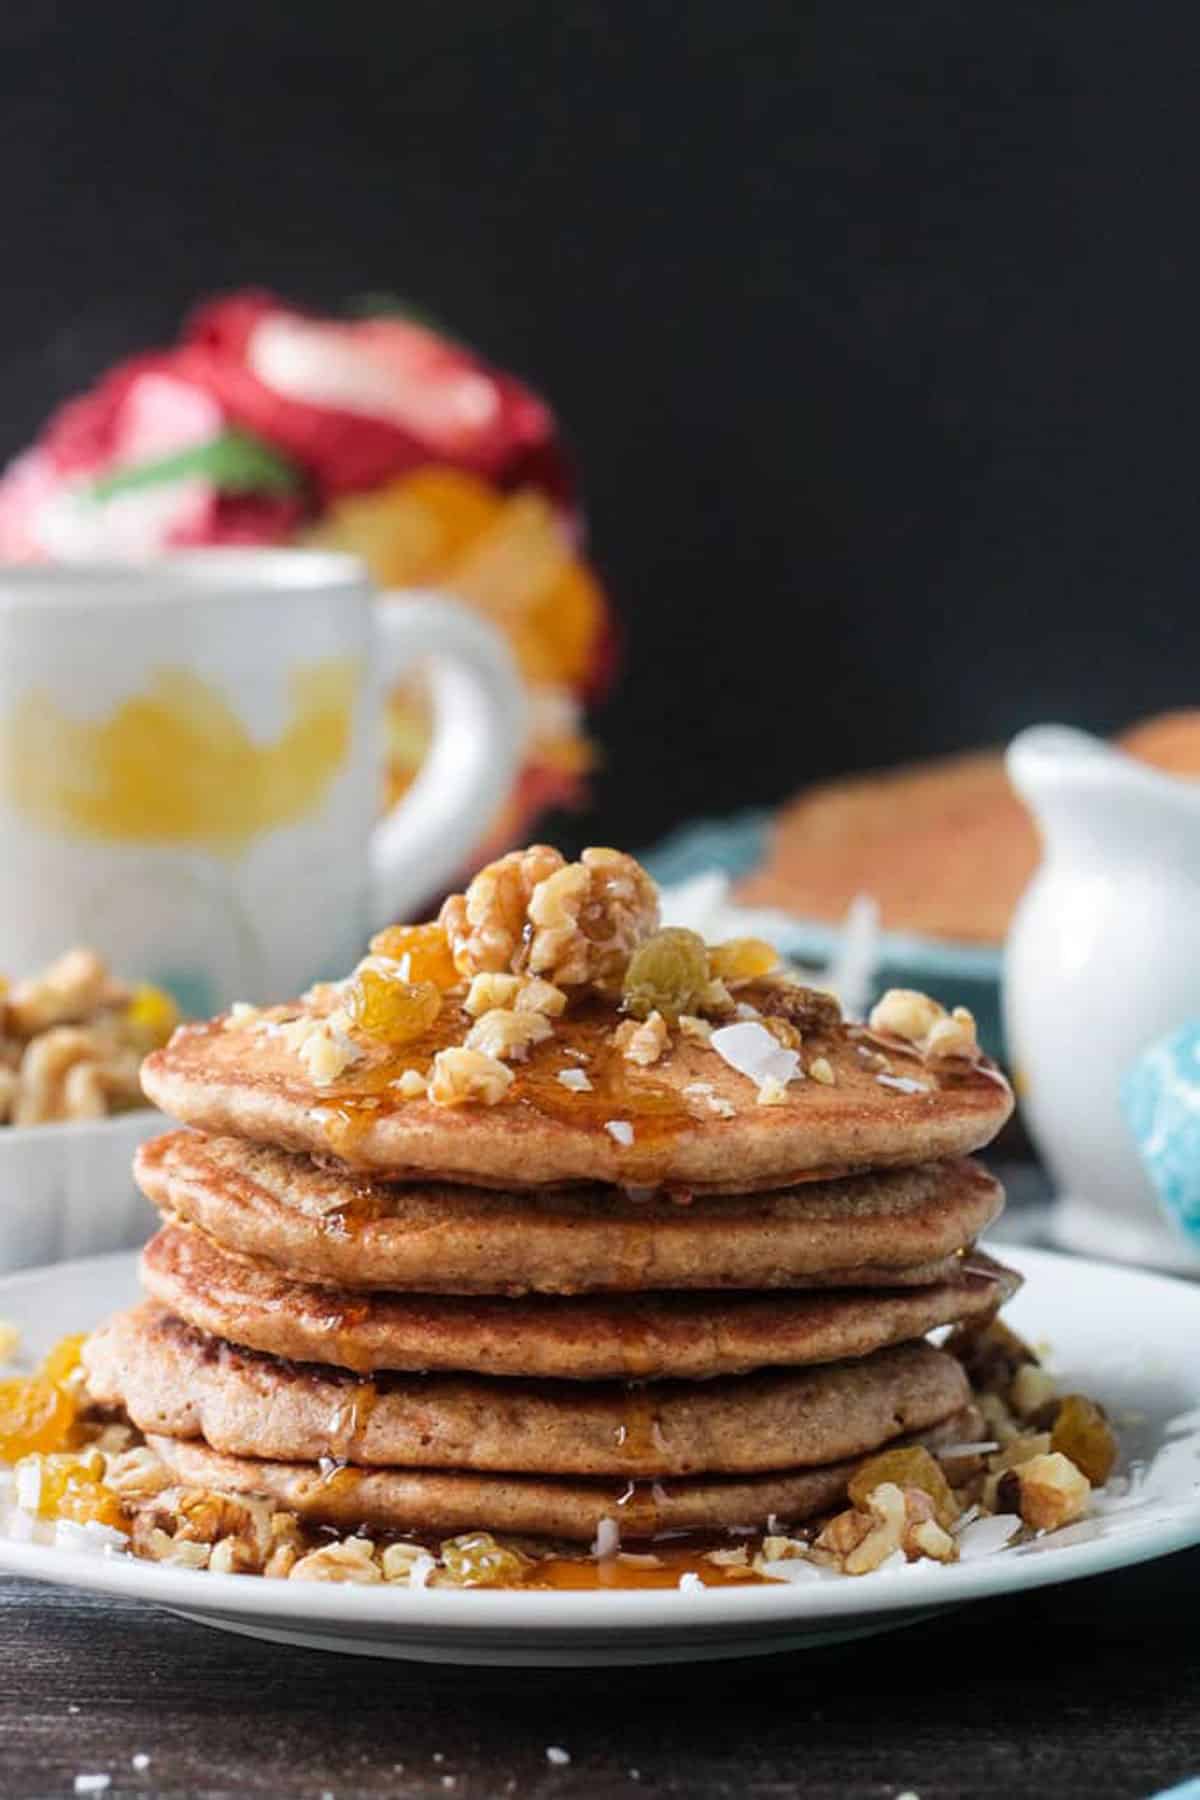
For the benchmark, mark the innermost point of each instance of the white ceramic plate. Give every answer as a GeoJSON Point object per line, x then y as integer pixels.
{"type": "Point", "coordinates": [68, 1190]}
{"type": "Point", "coordinates": [1128, 1339]}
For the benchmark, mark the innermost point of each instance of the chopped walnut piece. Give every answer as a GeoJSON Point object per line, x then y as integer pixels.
{"type": "Point", "coordinates": [241, 1016]}
{"type": "Point", "coordinates": [70, 991]}
{"type": "Point", "coordinates": [778, 1548]}
{"type": "Point", "coordinates": [1032, 1387]}
{"type": "Point", "coordinates": [576, 924]}
{"type": "Point", "coordinates": [890, 1519]}
{"type": "Point", "coordinates": [642, 1042]}
{"type": "Point", "coordinates": [75, 1072]}
{"type": "Point", "coordinates": [954, 1036]}
{"type": "Point", "coordinates": [137, 1473]}
{"type": "Point", "coordinates": [506, 1035]}
{"type": "Point", "coordinates": [922, 1022]}
{"type": "Point", "coordinates": [351, 1559]}
{"type": "Point", "coordinates": [156, 1545]}
{"type": "Point", "coordinates": [399, 1560]}
{"type": "Point", "coordinates": [489, 990]}
{"type": "Point", "coordinates": [821, 1069]}
{"type": "Point", "coordinates": [1048, 1491]}
{"type": "Point", "coordinates": [782, 1030]}
{"type": "Point", "coordinates": [589, 918]}
{"type": "Point", "coordinates": [486, 926]}
{"type": "Point", "coordinates": [460, 1076]}
{"type": "Point", "coordinates": [322, 1045]}
{"type": "Point", "coordinates": [538, 996]}
{"type": "Point", "coordinates": [735, 1557]}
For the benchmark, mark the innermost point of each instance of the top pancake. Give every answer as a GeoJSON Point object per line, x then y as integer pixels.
{"type": "Point", "coordinates": [251, 1084]}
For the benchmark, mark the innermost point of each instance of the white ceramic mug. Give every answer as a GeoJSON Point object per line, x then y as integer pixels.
{"type": "Point", "coordinates": [191, 765]}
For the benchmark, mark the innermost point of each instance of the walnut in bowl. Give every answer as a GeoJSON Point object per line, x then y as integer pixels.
{"type": "Point", "coordinates": [72, 1039]}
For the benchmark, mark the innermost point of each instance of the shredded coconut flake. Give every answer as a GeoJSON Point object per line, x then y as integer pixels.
{"type": "Point", "coordinates": [576, 1080]}
{"type": "Point", "coordinates": [608, 1538]}
{"type": "Point", "coordinates": [92, 1784]}
{"type": "Point", "coordinates": [903, 1084]}
{"type": "Point", "coordinates": [620, 1129]}
{"type": "Point", "coordinates": [690, 1583]}
{"type": "Point", "coordinates": [557, 1755]}
{"type": "Point", "coordinates": [421, 1570]}
{"type": "Point", "coordinates": [753, 1052]}
{"type": "Point", "coordinates": [984, 1537]}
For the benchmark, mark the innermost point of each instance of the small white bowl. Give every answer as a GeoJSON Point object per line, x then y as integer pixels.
{"type": "Point", "coordinates": [68, 1190]}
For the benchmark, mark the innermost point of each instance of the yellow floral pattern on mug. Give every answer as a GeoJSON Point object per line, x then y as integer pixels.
{"type": "Point", "coordinates": [175, 764]}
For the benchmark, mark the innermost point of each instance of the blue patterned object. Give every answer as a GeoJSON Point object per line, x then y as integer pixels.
{"type": "Point", "coordinates": [1161, 1098]}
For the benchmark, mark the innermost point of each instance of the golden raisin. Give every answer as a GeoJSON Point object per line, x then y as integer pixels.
{"type": "Point", "coordinates": [742, 959]}
{"type": "Point", "coordinates": [668, 973]}
{"type": "Point", "coordinates": [151, 1015]}
{"type": "Point", "coordinates": [72, 1487]}
{"type": "Point", "coordinates": [428, 951]}
{"type": "Point", "coordinates": [62, 1363]}
{"type": "Point", "coordinates": [477, 1560]}
{"type": "Point", "coordinates": [392, 1010]}
{"type": "Point", "coordinates": [1083, 1434]}
{"type": "Point", "coordinates": [907, 1468]}
{"type": "Point", "coordinates": [34, 1415]}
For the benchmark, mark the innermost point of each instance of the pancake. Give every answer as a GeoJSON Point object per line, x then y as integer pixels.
{"type": "Point", "coordinates": [178, 1382]}
{"type": "Point", "coordinates": [945, 847]}
{"type": "Point", "coordinates": [415, 1500]}
{"type": "Point", "coordinates": [251, 1084]}
{"type": "Point", "coordinates": [895, 1229]}
{"type": "Point", "coordinates": [586, 1338]}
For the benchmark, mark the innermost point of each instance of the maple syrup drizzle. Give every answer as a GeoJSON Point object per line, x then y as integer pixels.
{"type": "Point", "coordinates": [657, 1566]}
{"type": "Point", "coordinates": [619, 1089]}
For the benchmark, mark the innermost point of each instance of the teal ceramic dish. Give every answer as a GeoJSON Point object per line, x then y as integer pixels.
{"type": "Point", "coordinates": [955, 974]}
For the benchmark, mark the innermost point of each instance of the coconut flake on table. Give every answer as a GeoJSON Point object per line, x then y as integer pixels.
{"type": "Point", "coordinates": [575, 1080]}
{"type": "Point", "coordinates": [751, 1050]}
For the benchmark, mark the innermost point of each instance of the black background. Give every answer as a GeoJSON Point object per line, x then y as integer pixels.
{"type": "Point", "coordinates": [873, 326]}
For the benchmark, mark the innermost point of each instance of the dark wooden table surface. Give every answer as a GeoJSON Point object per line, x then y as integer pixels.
{"type": "Point", "coordinates": [1088, 1689]}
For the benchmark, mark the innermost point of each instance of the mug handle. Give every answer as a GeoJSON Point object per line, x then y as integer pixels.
{"type": "Point", "coordinates": [478, 728]}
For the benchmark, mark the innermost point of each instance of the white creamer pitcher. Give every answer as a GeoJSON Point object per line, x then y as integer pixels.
{"type": "Point", "coordinates": [1102, 959]}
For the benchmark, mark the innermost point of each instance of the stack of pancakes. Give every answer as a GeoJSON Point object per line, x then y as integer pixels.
{"type": "Point", "coordinates": [649, 1300]}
